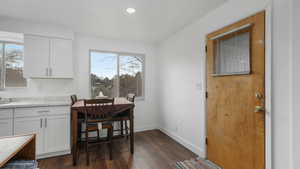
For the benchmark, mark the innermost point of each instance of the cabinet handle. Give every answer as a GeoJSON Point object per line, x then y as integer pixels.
{"type": "Point", "coordinates": [41, 123]}
{"type": "Point", "coordinates": [45, 122]}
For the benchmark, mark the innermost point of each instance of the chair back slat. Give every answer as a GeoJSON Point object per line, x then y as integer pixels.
{"type": "Point", "coordinates": [98, 108]}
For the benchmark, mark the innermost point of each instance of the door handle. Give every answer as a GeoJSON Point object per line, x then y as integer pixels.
{"type": "Point", "coordinates": [41, 123]}
{"type": "Point", "coordinates": [259, 96]}
{"type": "Point", "coordinates": [259, 109]}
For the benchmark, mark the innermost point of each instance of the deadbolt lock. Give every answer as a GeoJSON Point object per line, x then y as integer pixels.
{"type": "Point", "coordinates": [259, 95]}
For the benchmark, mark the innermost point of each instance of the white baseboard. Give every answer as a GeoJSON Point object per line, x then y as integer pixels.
{"type": "Point", "coordinates": [192, 147]}
{"type": "Point", "coordinates": [145, 128]}
{"type": "Point", "coordinates": [54, 154]}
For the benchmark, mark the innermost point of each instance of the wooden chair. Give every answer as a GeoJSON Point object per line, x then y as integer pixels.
{"type": "Point", "coordinates": [94, 114]}
{"type": "Point", "coordinates": [130, 97]}
{"type": "Point", "coordinates": [80, 118]}
{"type": "Point", "coordinates": [73, 99]}
{"type": "Point", "coordinates": [123, 119]}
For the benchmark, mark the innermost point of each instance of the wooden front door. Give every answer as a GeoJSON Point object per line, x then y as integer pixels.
{"type": "Point", "coordinates": [235, 94]}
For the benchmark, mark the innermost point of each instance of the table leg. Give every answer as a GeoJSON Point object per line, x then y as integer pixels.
{"type": "Point", "coordinates": [131, 131]}
{"type": "Point", "coordinates": [74, 135]}
{"type": "Point", "coordinates": [121, 127]}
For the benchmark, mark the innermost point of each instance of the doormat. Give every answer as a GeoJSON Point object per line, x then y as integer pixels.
{"type": "Point", "coordinates": [196, 163]}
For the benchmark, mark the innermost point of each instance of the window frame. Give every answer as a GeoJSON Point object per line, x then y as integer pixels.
{"type": "Point", "coordinates": [3, 65]}
{"type": "Point", "coordinates": [142, 56]}
{"type": "Point", "coordinates": [248, 28]}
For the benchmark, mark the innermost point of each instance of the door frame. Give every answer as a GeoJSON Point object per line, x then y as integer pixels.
{"type": "Point", "coordinates": [268, 86]}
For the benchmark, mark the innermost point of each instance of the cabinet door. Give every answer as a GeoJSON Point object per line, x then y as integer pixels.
{"type": "Point", "coordinates": [29, 126]}
{"type": "Point", "coordinates": [36, 56]}
{"type": "Point", "coordinates": [61, 59]}
{"type": "Point", "coordinates": [6, 128]}
{"type": "Point", "coordinates": [57, 130]}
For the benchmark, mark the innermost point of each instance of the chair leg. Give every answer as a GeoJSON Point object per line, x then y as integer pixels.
{"type": "Point", "coordinates": [79, 141]}
{"type": "Point", "coordinates": [126, 129]}
{"type": "Point", "coordinates": [121, 124]}
{"type": "Point", "coordinates": [86, 148]}
{"type": "Point", "coordinates": [79, 130]}
{"type": "Point", "coordinates": [110, 133]}
{"type": "Point", "coordinates": [98, 134]}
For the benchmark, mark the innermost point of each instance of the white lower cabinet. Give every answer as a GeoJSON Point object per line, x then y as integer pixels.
{"type": "Point", "coordinates": [6, 122]}
{"type": "Point", "coordinates": [57, 135]}
{"type": "Point", "coordinates": [51, 124]}
{"type": "Point", "coordinates": [30, 125]}
{"type": "Point", "coordinates": [6, 127]}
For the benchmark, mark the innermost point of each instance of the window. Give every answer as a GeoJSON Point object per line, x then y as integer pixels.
{"type": "Point", "coordinates": [11, 65]}
{"type": "Point", "coordinates": [232, 53]}
{"type": "Point", "coordinates": [116, 74]}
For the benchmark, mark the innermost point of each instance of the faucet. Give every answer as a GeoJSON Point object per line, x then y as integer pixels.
{"type": "Point", "coordinates": [5, 100]}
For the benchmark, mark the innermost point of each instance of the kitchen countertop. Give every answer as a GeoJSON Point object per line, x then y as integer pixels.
{"type": "Point", "coordinates": [36, 102]}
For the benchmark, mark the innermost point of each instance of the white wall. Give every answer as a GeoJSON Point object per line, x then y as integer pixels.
{"type": "Point", "coordinates": [38, 87]}
{"type": "Point", "coordinates": [182, 77]}
{"type": "Point", "coordinates": [146, 110]}
{"type": "Point", "coordinates": [296, 82]}
{"type": "Point", "coordinates": [42, 29]}
{"type": "Point", "coordinates": [282, 85]}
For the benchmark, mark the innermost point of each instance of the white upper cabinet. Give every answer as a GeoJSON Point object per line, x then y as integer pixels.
{"type": "Point", "coordinates": [36, 57]}
{"type": "Point", "coordinates": [61, 57]}
{"type": "Point", "coordinates": [47, 57]}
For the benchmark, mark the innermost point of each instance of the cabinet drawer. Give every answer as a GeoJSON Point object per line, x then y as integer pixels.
{"type": "Point", "coordinates": [59, 110]}
{"type": "Point", "coordinates": [31, 112]}
{"type": "Point", "coordinates": [6, 113]}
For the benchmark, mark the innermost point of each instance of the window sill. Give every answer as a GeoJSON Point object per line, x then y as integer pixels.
{"type": "Point", "coordinates": [12, 88]}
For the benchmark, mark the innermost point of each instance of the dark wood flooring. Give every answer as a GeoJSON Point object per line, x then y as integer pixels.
{"type": "Point", "coordinates": [153, 150]}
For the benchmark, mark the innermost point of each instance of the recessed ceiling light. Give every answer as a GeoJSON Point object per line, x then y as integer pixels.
{"type": "Point", "coordinates": [130, 10]}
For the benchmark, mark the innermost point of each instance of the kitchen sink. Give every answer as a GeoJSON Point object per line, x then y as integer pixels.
{"type": "Point", "coordinates": [5, 100]}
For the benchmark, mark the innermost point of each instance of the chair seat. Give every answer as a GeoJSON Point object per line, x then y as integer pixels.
{"type": "Point", "coordinates": [125, 113]}
{"type": "Point", "coordinates": [122, 116]}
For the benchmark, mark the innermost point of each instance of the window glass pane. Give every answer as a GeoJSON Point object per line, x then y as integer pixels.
{"type": "Point", "coordinates": [104, 74]}
{"type": "Point", "coordinates": [14, 63]}
{"type": "Point", "coordinates": [1, 63]}
{"type": "Point", "coordinates": [131, 68]}
{"type": "Point", "coordinates": [232, 54]}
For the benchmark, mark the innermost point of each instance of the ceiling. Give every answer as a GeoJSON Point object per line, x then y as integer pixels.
{"type": "Point", "coordinates": [153, 21]}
